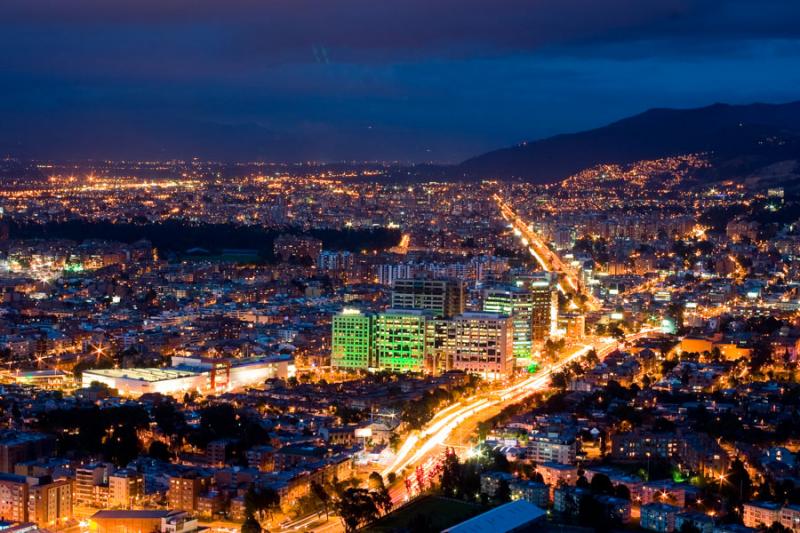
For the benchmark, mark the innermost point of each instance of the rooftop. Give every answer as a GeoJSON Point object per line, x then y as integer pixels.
{"type": "Point", "coordinates": [507, 517]}
{"type": "Point", "coordinates": [132, 514]}
{"type": "Point", "coordinates": [142, 374]}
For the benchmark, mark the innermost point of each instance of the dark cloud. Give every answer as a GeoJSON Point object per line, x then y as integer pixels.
{"type": "Point", "coordinates": [408, 79]}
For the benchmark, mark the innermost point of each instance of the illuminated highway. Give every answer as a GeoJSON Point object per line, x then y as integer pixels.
{"type": "Point", "coordinates": [547, 259]}
{"type": "Point", "coordinates": [426, 447]}
{"type": "Point", "coordinates": [422, 448]}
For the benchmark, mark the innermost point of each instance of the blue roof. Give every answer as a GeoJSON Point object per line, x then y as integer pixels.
{"type": "Point", "coordinates": [507, 517]}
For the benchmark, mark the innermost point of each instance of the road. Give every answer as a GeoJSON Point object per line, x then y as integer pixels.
{"type": "Point", "coordinates": [547, 259]}
{"type": "Point", "coordinates": [455, 425]}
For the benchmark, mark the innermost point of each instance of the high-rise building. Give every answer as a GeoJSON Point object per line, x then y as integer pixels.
{"type": "Point", "coordinates": [91, 484]}
{"type": "Point", "coordinates": [50, 502]}
{"type": "Point", "coordinates": [126, 488]}
{"type": "Point", "coordinates": [544, 311]}
{"type": "Point", "coordinates": [574, 325]}
{"type": "Point", "coordinates": [351, 340]}
{"type": "Point", "coordinates": [329, 260]}
{"type": "Point", "coordinates": [13, 498]}
{"type": "Point", "coordinates": [387, 274]}
{"type": "Point", "coordinates": [516, 302]}
{"type": "Point", "coordinates": [483, 344]}
{"type": "Point", "coordinates": [184, 490]}
{"type": "Point", "coordinates": [42, 500]}
{"type": "Point", "coordinates": [443, 297]}
{"type": "Point", "coordinates": [439, 345]}
{"type": "Point", "coordinates": [399, 339]}
{"type": "Point", "coordinates": [19, 446]}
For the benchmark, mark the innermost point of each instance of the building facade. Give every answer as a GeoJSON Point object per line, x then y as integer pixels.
{"type": "Point", "coordinates": [399, 340]}
{"type": "Point", "coordinates": [351, 340]}
{"type": "Point", "coordinates": [443, 297]}
{"type": "Point", "coordinates": [516, 302]}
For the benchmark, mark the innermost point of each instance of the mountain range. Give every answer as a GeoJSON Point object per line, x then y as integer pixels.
{"type": "Point", "coordinates": [739, 139]}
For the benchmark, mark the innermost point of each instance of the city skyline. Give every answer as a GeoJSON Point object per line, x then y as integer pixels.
{"type": "Point", "coordinates": [335, 267]}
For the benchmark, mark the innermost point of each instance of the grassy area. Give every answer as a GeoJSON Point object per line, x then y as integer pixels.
{"type": "Point", "coordinates": [437, 512]}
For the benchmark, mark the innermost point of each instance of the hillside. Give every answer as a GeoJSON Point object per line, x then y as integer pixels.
{"type": "Point", "coordinates": [741, 138]}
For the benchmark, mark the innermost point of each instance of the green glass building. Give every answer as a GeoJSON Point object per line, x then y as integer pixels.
{"type": "Point", "coordinates": [351, 340]}
{"type": "Point", "coordinates": [398, 339]}
{"type": "Point", "coordinates": [516, 302]}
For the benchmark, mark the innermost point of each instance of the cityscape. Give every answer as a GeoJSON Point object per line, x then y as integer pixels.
{"type": "Point", "coordinates": [597, 330]}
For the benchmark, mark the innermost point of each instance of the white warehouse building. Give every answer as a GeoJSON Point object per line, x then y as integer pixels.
{"type": "Point", "coordinates": [187, 374]}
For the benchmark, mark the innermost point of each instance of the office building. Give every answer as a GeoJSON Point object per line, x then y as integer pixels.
{"type": "Point", "coordinates": [544, 313]}
{"type": "Point", "coordinates": [440, 340]}
{"type": "Point", "coordinates": [399, 339]}
{"type": "Point", "coordinates": [574, 325]}
{"type": "Point", "coordinates": [351, 340]}
{"type": "Point", "coordinates": [516, 302]}
{"type": "Point", "coordinates": [443, 297]}
{"type": "Point", "coordinates": [484, 344]}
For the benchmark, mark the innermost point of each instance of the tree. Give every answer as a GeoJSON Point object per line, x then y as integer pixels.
{"type": "Point", "coordinates": [168, 418]}
{"type": "Point", "coordinates": [382, 499]}
{"type": "Point", "coordinates": [321, 494]}
{"type": "Point", "coordinates": [559, 380]}
{"type": "Point", "coordinates": [219, 421]}
{"type": "Point", "coordinates": [251, 525]}
{"type": "Point", "coordinates": [503, 493]}
{"type": "Point", "coordinates": [591, 358]}
{"type": "Point", "coordinates": [379, 492]}
{"type": "Point", "coordinates": [356, 508]}
{"type": "Point", "coordinates": [500, 462]}
{"type": "Point", "coordinates": [601, 484]}
{"type": "Point", "coordinates": [616, 331]}
{"type": "Point", "coordinates": [621, 491]}
{"type": "Point", "coordinates": [260, 503]}
{"type": "Point", "coordinates": [450, 477]}
{"type": "Point", "coordinates": [736, 485]}
{"type": "Point", "coordinates": [777, 527]}
{"type": "Point", "coordinates": [375, 481]}
{"type": "Point", "coordinates": [159, 450]}
{"type": "Point", "coordinates": [121, 444]}
{"type": "Point", "coordinates": [689, 527]}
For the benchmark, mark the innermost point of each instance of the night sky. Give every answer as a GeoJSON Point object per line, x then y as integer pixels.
{"type": "Point", "coordinates": [412, 80]}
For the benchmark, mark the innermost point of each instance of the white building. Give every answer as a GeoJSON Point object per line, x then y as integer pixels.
{"type": "Point", "coordinates": [756, 514]}
{"type": "Point", "coordinates": [551, 447]}
{"type": "Point", "coordinates": [203, 375]}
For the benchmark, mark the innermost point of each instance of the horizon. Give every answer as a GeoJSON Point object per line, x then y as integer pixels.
{"type": "Point", "coordinates": [382, 162]}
